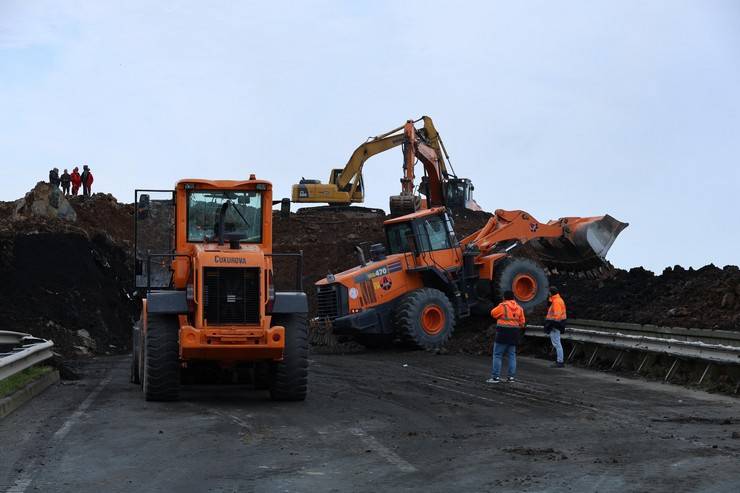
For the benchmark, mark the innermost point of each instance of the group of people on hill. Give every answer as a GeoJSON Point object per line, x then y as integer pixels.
{"type": "Point", "coordinates": [72, 180]}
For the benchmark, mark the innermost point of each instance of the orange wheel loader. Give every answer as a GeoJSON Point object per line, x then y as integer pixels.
{"type": "Point", "coordinates": [426, 278]}
{"type": "Point", "coordinates": [204, 258]}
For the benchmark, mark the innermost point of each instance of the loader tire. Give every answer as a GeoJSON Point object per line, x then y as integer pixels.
{"type": "Point", "coordinates": [135, 376]}
{"type": "Point", "coordinates": [425, 318]}
{"type": "Point", "coordinates": [525, 277]}
{"type": "Point", "coordinates": [289, 377]}
{"type": "Point", "coordinates": [162, 358]}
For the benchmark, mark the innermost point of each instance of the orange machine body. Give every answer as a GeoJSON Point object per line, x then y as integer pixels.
{"type": "Point", "coordinates": [425, 253]}
{"type": "Point", "coordinates": [204, 339]}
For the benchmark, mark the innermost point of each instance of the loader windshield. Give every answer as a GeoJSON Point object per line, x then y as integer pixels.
{"type": "Point", "coordinates": [242, 214]}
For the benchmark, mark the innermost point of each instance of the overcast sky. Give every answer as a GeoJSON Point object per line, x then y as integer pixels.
{"type": "Point", "coordinates": [558, 108]}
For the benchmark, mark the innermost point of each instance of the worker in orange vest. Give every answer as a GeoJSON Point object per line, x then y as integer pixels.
{"type": "Point", "coordinates": [555, 324]}
{"type": "Point", "coordinates": [509, 325]}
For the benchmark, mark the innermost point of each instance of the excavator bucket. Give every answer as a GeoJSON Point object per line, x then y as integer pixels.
{"type": "Point", "coordinates": [400, 205]}
{"type": "Point", "coordinates": [583, 248]}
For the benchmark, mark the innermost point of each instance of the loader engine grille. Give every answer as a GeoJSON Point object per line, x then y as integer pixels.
{"type": "Point", "coordinates": [231, 295]}
{"type": "Point", "coordinates": [331, 300]}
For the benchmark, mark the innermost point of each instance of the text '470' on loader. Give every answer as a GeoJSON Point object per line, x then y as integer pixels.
{"type": "Point", "coordinates": [204, 256]}
{"type": "Point", "coordinates": [427, 278]}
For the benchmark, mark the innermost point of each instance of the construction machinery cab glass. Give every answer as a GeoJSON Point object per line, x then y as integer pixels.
{"type": "Point", "coordinates": [428, 233]}
{"type": "Point", "coordinates": [237, 211]}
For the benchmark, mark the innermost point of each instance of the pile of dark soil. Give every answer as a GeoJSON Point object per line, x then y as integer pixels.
{"type": "Point", "coordinates": [706, 298]}
{"type": "Point", "coordinates": [70, 281]}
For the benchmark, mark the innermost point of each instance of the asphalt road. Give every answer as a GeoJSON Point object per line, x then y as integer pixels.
{"type": "Point", "coordinates": [390, 421]}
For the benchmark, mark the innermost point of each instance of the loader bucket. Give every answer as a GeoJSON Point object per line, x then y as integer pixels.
{"type": "Point", "coordinates": [582, 249]}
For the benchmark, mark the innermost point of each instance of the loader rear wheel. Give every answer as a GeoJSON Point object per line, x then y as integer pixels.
{"type": "Point", "coordinates": [524, 277]}
{"type": "Point", "coordinates": [289, 377]}
{"type": "Point", "coordinates": [162, 358]}
{"type": "Point", "coordinates": [425, 318]}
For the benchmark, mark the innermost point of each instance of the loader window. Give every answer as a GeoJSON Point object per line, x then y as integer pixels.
{"type": "Point", "coordinates": [398, 241]}
{"type": "Point", "coordinates": [243, 214]}
{"type": "Point", "coordinates": [434, 234]}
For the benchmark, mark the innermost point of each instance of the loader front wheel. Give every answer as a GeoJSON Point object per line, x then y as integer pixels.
{"type": "Point", "coordinates": [162, 358]}
{"type": "Point", "coordinates": [289, 377]}
{"type": "Point", "coordinates": [524, 277]}
{"type": "Point", "coordinates": [425, 318]}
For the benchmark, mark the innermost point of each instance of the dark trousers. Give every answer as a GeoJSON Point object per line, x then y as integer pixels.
{"type": "Point", "coordinates": [85, 190]}
{"type": "Point", "coordinates": [65, 188]}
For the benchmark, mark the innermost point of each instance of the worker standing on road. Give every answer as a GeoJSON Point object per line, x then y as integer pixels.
{"type": "Point", "coordinates": [555, 324]}
{"type": "Point", "coordinates": [509, 325]}
{"type": "Point", "coordinates": [76, 180]}
{"type": "Point", "coordinates": [65, 179]}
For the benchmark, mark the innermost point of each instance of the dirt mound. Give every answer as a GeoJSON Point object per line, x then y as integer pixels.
{"type": "Point", "coordinates": [68, 279]}
{"type": "Point", "coordinates": [67, 287]}
{"type": "Point", "coordinates": [707, 298]}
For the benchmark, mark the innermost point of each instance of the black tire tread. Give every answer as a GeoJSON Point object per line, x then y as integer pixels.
{"type": "Point", "coordinates": [405, 317]}
{"type": "Point", "coordinates": [289, 378]}
{"type": "Point", "coordinates": [498, 286]}
{"type": "Point", "coordinates": [162, 366]}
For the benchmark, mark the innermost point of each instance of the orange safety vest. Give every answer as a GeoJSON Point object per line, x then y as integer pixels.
{"type": "Point", "coordinates": [509, 314]}
{"type": "Point", "coordinates": [557, 308]}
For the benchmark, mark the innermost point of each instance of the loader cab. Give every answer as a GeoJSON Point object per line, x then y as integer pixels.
{"type": "Point", "coordinates": [424, 232]}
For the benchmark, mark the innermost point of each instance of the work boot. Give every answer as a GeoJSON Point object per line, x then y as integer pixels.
{"type": "Point", "coordinates": [493, 380]}
{"type": "Point", "coordinates": [510, 380]}
{"type": "Point", "coordinates": [557, 365]}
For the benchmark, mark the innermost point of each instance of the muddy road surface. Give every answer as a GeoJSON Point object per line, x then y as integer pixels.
{"type": "Point", "coordinates": [384, 421]}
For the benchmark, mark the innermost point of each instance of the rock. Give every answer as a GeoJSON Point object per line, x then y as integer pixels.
{"type": "Point", "coordinates": [677, 312]}
{"type": "Point", "coordinates": [45, 201]}
{"type": "Point", "coordinates": [87, 341]}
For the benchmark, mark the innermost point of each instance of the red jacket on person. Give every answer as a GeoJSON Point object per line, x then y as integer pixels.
{"type": "Point", "coordinates": [75, 178]}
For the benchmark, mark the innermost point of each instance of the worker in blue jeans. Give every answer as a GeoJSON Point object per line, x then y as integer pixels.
{"type": "Point", "coordinates": [509, 324]}
{"type": "Point", "coordinates": [555, 324]}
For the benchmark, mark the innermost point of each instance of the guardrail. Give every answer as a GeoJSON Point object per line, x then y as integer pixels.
{"type": "Point", "coordinates": [716, 348]}
{"type": "Point", "coordinates": [707, 345]}
{"type": "Point", "coordinates": [25, 351]}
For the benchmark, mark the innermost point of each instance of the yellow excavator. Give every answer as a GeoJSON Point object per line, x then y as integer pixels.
{"type": "Point", "coordinates": [424, 144]}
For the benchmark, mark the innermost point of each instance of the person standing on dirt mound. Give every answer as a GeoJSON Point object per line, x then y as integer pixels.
{"type": "Point", "coordinates": [87, 181]}
{"type": "Point", "coordinates": [76, 180]}
{"type": "Point", "coordinates": [555, 324]}
{"type": "Point", "coordinates": [54, 177]}
{"type": "Point", "coordinates": [65, 179]}
{"type": "Point", "coordinates": [510, 322]}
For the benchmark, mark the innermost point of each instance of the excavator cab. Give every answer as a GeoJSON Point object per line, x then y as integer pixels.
{"type": "Point", "coordinates": [313, 191]}
{"type": "Point", "coordinates": [459, 193]}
